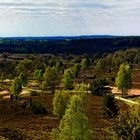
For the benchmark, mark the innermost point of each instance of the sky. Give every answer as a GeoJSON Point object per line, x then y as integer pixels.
{"type": "Point", "coordinates": [69, 17]}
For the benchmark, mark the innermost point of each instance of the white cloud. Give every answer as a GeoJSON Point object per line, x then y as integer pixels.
{"type": "Point", "coordinates": [73, 16]}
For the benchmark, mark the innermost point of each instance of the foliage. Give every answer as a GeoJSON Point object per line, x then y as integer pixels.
{"type": "Point", "coordinates": [37, 108]}
{"type": "Point", "coordinates": [27, 63]}
{"type": "Point", "coordinates": [124, 80]}
{"type": "Point", "coordinates": [126, 125]}
{"type": "Point", "coordinates": [81, 90]}
{"type": "Point", "coordinates": [99, 87]}
{"type": "Point", "coordinates": [43, 85]}
{"type": "Point", "coordinates": [2, 78]}
{"type": "Point", "coordinates": [100, 65]}
{"type": "Point", "coordinates": [58, 67]}
{"type": "Point", "coordinates": [110, 105]}
{"type": "Point", "coordinates": [60, 102]}
{"type": "Point", "coordinates": [76, 70]}
{"type": "Point", "coordinates": [37, 74]}
{"type": "Point", "coordinates": [85, 63]}
{"type": "Point", "coordinates": [16, 88]}
{"type": "Point", "coordinates": [10, 76]}
{"type": "Point", "coordinates": [23, 79]}
{"type": "Point", "coordinates": [20, 68]}
{"type": "Point", "coordinates": [50, 76]}
{"type": "Point", "coordinates": [69, 46]}
{"type": "Point", "coordinates": [67, 80]}
{"type": "Point", "coordinates": [11, 134]}
{"type": "Point", "coordinates": [74, 125]}
{"type": "Point", "coordinates": [34, 93]}
{"type": "Point", "coordinates": [22, 134]}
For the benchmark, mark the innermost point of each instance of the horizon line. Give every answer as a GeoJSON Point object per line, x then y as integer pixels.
{"type": "Point", "coordinates": [69, 36]}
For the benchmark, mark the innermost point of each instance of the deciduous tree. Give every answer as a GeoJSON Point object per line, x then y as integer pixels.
{"type": "Point", "coordinates": [124, 80]}
{"type": "Point", "coordinates": [60, 102]}
{"type": "Point", "coordinates": [67, 80]}
{"type": "Point", "coordinates": [23, 79]}
{"type": "Point", "coordinates": [74, 125]}
{"type": "Point", "coordinates": [16, 88]}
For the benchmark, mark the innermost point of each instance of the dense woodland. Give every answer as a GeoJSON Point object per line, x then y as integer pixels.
{"type": "Point", "coordinates": [73, 45]}
{"type": "Point", "coordinates": [50, 96]}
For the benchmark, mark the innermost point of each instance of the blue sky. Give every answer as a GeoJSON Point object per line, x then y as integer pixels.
{"type": "Point", "coordinates": [69, 17]}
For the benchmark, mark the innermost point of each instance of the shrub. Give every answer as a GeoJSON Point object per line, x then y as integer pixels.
{"type": "Point", "coordinates": [12, 134]}
{"type": "Point", "coordinates": [126, 125]}
{"type": "Point", "coordinates": [34, 93]}
{"type": "Point", "coordinates": [99, 87]}
{"type": "Point", "coordinates": [43, 85]}
{"type": "Point", "coordinates": [110, 105]}
{"type": "Point", "coordinates": [37, 108]}
{"type": "Point", "coordinates": [23, 79]}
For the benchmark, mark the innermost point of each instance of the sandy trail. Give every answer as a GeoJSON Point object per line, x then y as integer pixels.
{"type": "Point", "coordinates": [130, 92]}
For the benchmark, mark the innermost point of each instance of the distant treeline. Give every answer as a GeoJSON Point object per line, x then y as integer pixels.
{"type": "Point", "coordinates": [88, 46]}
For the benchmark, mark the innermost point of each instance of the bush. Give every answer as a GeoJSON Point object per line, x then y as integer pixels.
{"type": "Point", "coordinates": [21, 134]}
{"type": "Point", "coordinates": [110, 105]}
{"type": "Point", "coordinates": [99, 87]}
{"type": "Point", "coordinates": [37, 108]}
{"type": "Point", "coordinates": [34, 93]}
{"type": "Point", "coordinates": [126, 125]}
{"type": "Point", "coordinates": [12, 134]}
{"type": "Point", "coordinates": [43, 85]}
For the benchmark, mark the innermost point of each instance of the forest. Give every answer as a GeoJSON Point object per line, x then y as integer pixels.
{"type": "Point", "coordinates": [69, 45]}
{"type": "Point", "coordinates": [82, 94]}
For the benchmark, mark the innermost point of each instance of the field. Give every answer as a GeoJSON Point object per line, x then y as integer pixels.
{"type": "Point", "coordinates": [18, 121]}
{"type": "Point", "coordinates": [24, 120]}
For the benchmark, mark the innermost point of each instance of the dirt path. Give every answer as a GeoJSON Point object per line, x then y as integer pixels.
{"type": "Point", "coordinates": [131, 92]}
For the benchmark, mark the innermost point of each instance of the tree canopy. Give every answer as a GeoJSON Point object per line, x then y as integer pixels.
{"type": "Point", "coordinates": [16, 88]}
{"type": "Point", "coordinates": [124, 79]}
{"type": "Point", "coordinates": [74, 125]}
{"type": "Point", "coordinates": [67, 80]}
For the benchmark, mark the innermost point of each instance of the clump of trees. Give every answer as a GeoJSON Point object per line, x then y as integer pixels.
{"type": "Point", "coordinates": [100, 87]}
{"type": "Point", "coordinates": [124, 79]}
